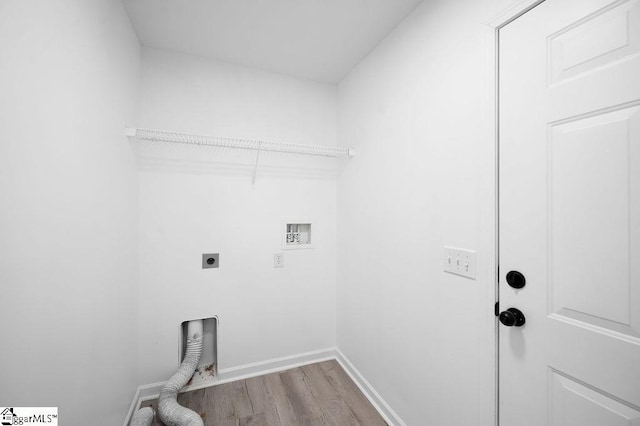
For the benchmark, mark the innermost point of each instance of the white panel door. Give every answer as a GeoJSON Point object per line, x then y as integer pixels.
{"type": "Point", "coordinates": [570, 214]}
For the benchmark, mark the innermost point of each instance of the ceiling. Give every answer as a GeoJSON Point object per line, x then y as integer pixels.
{"type": "Point", "coordinates": [315, 39]}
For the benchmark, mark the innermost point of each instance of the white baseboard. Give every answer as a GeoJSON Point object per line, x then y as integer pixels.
{"type": "Point", "coordinates": [134, 406]}
{"type": "Point", "coordinates": [261, 368]}
{"type": "Point", "coordinates": [385, 410]}
{"type": "Point", "coordinates": [151, 391]}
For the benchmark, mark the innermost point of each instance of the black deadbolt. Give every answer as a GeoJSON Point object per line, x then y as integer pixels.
{"type": "Point", "coordinates": [512, 317]}
{"type": "Point", "coordinates": [515, 279]}
{"type": "Point", "coordinates": [211, 261]}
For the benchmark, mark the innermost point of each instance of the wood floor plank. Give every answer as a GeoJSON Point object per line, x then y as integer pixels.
{"type": "Point", "coordinates": [257, 420]}
{"type": "Point", "coordinates": [334, 410]}
{"type": "Point", "coordinates": [318, 383]}
{"type": "Point", "coordinates": [258, 393]}
{"type": "Point", "coordinates": [304, 404]}
{"type": "Point", "coordinates": [349, 392]}
{"type": "Point", "coordinates": [225, 404]}
{"type": "Point", "coordinates": [320, 394]}
{"type": "Point", "coordinates": [336, 413]}
{"type": "Point", "coordinates": [268, 395]}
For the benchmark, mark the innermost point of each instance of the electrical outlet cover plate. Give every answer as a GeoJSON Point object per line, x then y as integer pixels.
{"type": "Point", "coordinates": [210, 260]}
{"type": "Point", "coordinates": [459, 261]}
{"type": "Point", "coordinates": [278, 260]}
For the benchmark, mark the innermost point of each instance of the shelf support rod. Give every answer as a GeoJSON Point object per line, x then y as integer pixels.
{"type": "Point", "coordinates": [255, 167]}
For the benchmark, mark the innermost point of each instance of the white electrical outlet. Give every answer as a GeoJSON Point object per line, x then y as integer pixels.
{"type": "Point", "coordinates": [278, 260]}
{"type": "Point", "coordinates": [459, 261]}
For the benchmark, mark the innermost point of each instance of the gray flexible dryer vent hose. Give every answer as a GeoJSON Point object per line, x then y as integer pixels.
{"type": "Point", "coordinates": [143, 417]}
{"type": "Point", "coordinates": [172, 413]}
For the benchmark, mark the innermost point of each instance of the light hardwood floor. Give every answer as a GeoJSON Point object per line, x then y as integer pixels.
{"type": "Point", "coordinates": [312, 395]}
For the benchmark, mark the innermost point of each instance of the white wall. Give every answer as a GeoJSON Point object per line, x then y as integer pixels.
{"type": "Point", "coordinates": [198, 200]}
{"type": "Point", "coordinates": [417, 111]}
{"type": "Point", "coordinates": [68, 215]}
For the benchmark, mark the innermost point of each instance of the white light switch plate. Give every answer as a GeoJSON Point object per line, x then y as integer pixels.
{"type": "Point", "coordinates": [459, 261]}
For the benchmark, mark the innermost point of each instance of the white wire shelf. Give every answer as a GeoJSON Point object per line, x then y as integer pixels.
{"type": "Point", "coordinates": [154, 135]}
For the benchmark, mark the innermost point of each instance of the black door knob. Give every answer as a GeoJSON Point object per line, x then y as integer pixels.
{"type": "Point", "coordinates": [512, 317]}
{"type": "Point", "coordinates": [515, 279]}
